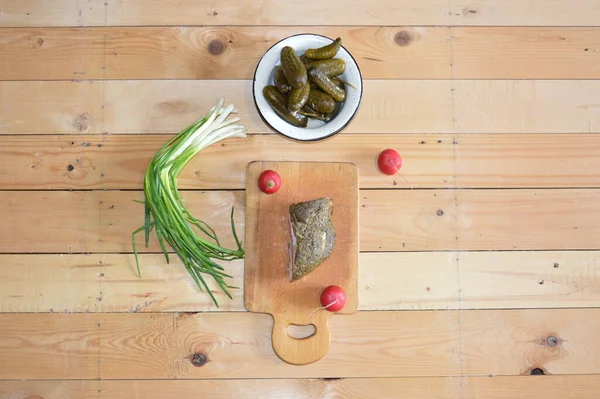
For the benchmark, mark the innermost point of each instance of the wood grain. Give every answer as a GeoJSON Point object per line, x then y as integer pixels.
{"type": "Point", "coordinates": [526, 160]}
{"type": "Point", "coordinates": [396, 106]}
{"type": "Point", "coordinates": [40, 107]}
{"type": "Point", "coordinates": [272, 12]}
{"type": "Point", "coordinates": [228, 12]}
{"type": "Point", "coordinates": [119, 161]}
{"type": "Point", "coordinates": [525, 53]}
{"type": "Point", "coordinates": [436, 343]}
{"type": "Point", "coordinates": [102, 221]}
{"type": "Point", "coordinates": [208, 52]}
{"type": "Point", "coordinates": [550, 387]}
{"type": "Point", "coordinates": [526, 106]}
{"type": "Point", "coordinates": [527, 219]}
{"type": "Point", "coordinates": [43, 54]}
{"type": "Point", "coordinates": [523, 13]}
{"type": "Point", "coordinates": [387, 281]}
{"type": "Point", "coordinates": [267, 285]}
{"type": "Point", "coordinates": [396, 52]}
{"type": "Point", "coordinates": [22, 13]}
{"type": "Point", "coordinates": [429, 160]}
{"type": "Point", "coordinates": [484, 333]}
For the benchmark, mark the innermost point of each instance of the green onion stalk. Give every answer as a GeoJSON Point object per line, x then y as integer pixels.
{"type": "Point", "coordinates": [166, 213]}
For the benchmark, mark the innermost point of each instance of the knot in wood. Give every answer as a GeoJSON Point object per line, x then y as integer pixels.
{"type": "Point", "coordinates": [198, 359]}
{"type": "Point", "coordinates": [537, 371]}
{"type": "Point", "coordinates": [404, 38]}
{"type": "Point", "coordinates": [216, 47]}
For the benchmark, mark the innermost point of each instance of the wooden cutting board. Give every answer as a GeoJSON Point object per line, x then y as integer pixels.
{"type": "Point", "coordinates": [267, 288]}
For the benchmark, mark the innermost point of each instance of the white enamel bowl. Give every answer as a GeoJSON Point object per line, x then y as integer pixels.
{"type": "Point", "coordinates": [316, 130]}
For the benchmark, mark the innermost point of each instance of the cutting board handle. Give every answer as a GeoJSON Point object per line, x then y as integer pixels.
{"type": "Point", "coordinates": [301, 350]}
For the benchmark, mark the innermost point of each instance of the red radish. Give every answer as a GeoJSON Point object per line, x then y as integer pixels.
{"type": "Point", "coordinates": [333, 298]}
{"type": "Point", "coordinates": [389, 162]}
{"type": "Point", "coordinates": [269, 181]}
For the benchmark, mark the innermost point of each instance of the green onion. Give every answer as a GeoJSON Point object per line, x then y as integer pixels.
{"type": "Point", "coordinates": [166, 213]}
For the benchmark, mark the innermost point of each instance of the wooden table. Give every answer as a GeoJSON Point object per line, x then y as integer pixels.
{"type": "Point", "coordinates": [482, 277]}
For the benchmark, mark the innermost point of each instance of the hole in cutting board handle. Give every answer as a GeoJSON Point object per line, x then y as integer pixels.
{"type": "Point", "coordinates": [299, 331]}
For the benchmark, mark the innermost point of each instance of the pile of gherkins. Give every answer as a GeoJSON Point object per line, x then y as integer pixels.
{"type": "Point", "coordinates": [307, 86]}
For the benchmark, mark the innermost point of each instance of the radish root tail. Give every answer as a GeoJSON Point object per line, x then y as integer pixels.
{"type": "Point", "coordinates": [405, 178]}
{"type": "Point", "coordinates": [322, 307]}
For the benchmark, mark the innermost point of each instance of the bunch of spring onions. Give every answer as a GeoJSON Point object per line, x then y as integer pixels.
{"type": "Point", "coordinates": [166, 213]}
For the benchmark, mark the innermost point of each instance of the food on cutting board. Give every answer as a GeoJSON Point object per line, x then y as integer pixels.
{"type": "Point", "coordinates": [308, 86]}
{"type": "Point", "coordinates": [313, 235]}
{"type": "Point", "coordinates": [333, 298]}
{"type": "Point", "coordinates": [269, 181]}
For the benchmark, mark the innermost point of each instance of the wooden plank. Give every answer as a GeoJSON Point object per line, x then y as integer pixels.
{"type": "Point", "coordinates": [429, 160]}
{"type": "Point", "coordinates": [526, 53]}
{"type": "Point", "coordinates": [62, 107]}
{"type": "Point", "coordinates": [422, 106]}
{"type": "Point", "coordinates": [226, 12]}
{"type": "Point", "coordinates": [41, 54]}
{"type": "Point", "coordinates": [124, 346]}
{"type": "Point", "coordinates": [359, 388]}
{"type": "Point", "coordinates": [22, 13]}
{"type": "Point", "coordinates": [432, 343]}
{"type": "Point", "coordinates": [101, 221]}
{"type": "Point", "coordinates": [164, 106]}
{"type": "Point", "coordinates": [207, 52]}
{"type": "Point", "coordinates": [387, 281]}
{"type": "Point", "coordinates": [388, 106]}
{"type": "Point", "coordinates": [232, 52]}
{"type": "Point", "coordinates": [533, 387]}
{"type": "Point", "coordinates": [523, 13]}
{"type": "Point", "coordinates": [119, 161]}
{"type": "Point", "coordinates": [17, 13]}
{"type": "Point", "coordinates": [549, 387]}
{"type": "Point", "coordinates": [229, 12]}
{"type": "Point", "coordinates": [526, 106]}
{"type": "Point", "coordinates": [538, 339]}
{"type": "Point", "coordinates": [527, 219]}
{"type": "Point", "coordinates": [537, 279]}
{"type": "Point", "coordinates": [71, 162]}
{"type": "Point", "coordinates": [526, 160]}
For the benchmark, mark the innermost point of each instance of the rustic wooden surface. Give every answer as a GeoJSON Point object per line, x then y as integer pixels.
{"type": "Point", "coordinates": [482, 277]}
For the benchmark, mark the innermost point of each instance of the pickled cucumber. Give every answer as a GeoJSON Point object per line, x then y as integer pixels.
{"type": "Point", "coordinates": [338, 83]}
{"type": "Point", "coordinates": [325, 52]}
{"type": "Point", "coordinates": [308, 86]}
{"type": "Point", "coordinates": [293, 68]}
{"type": "Point", "coordinates": [311, 113]}
{"type": "Point", "coordinates": [327, 85]}
{"type": "Point", "coordinates": [280, 81]}
{"type": "Point", "coordinates": [279, 103]}
{"type": "Point", "coordinates": [298, 97]}
{"type": "Point", "coordinates": [321, 102]}
{"type": "Point", "coordinates": [332, 67]}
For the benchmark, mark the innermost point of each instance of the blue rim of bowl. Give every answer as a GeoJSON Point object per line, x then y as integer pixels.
{"type": "Point", "coordinates": [294, 138]}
